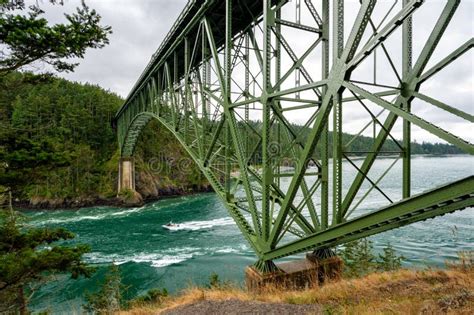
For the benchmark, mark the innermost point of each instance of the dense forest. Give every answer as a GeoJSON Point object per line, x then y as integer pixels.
{"type": "Point", "coordinates": [57, 143]}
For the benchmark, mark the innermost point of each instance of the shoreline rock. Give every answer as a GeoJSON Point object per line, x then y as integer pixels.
{"type": "Point", "coordinates": [42, 203]}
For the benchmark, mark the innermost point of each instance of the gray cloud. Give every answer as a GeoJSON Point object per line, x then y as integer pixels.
{"type": "Point", "coordinates": [139, 27]}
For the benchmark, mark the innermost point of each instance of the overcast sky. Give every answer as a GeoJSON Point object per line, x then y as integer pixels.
{"type": "Point", "coordinates": [139, 27]}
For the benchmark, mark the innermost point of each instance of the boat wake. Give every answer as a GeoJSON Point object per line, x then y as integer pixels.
{"type": "Point", "coordinates": [199, 225]}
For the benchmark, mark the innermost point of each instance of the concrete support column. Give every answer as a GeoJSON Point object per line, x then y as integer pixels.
{"type": "Point", "coordinates": [126, 180]}
{"type": "Point", "coordinates": [296, 274]}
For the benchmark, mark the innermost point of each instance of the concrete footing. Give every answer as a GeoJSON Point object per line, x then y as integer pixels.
{"type": "Point", "coordinates": [298, 274]}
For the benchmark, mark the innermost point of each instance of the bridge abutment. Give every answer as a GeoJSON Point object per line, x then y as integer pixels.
{"type": "Point", "coordinates": [297, 274]}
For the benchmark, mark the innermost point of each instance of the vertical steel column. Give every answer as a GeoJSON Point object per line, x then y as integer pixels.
{"type": "Point", "coordinates": [268, 19]}
{"type": "Point", "coordinates": [407, 64]}
{"type": "Point", "coordinates": [247, 88]}
{"type": "Point", "coordinates": [338, 37]}
{"type": "Point", "coordinates": [204, 79]}
{"type": "Point", "coordinates": [297, 71]}
{"type": "Point", "coordinates": [277, 78]}
{"type": "Point", "coordinates": [324, 136]}
{"type": "Point", "coordinates": [187, 87]}
{"type": "Point", "coordinates": [227, 92]}
{"type": "Point", "coordinates": [159, 92]}
{"type": "Point", "coordinates": [207, 65]}
{"type": "Point", "coordinates": [175, 67]}
{"type": "Point", "coordinates": [174, 85]}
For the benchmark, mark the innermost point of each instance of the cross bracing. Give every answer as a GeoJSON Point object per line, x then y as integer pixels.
{"type": "Point", "coordinates": [251, 89]}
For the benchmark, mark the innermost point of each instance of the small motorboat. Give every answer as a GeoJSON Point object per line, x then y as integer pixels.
{"type": "Point", "coordinates": [171, 226]}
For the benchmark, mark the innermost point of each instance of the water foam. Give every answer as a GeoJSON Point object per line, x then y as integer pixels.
{"type": "Point", "coordinates": [87, 217]}
{"type": "Point", "coordinates": [155, 259]}
{"type": "Point", "coordinates": [230, 249]}
{"type": "Point", "coordinates": [163, 258]}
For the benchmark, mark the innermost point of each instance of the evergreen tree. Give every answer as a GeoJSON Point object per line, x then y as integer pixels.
{"type": "Point", "coordinates": [358, 258]}
{"type": "Point", "coordinates": [30, 256]}
{"type": "Point", "coordinates": [26, 119]}
{"type": "Point", "coordinates": [389, 260]}
{"type": "Point", "coordinates": [28, 38]}
{"type": "Point", "coordinates": [109, 299]}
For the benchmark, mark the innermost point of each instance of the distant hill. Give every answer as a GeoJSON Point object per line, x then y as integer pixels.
{"type": "Point", "coordinates": [361, 144]}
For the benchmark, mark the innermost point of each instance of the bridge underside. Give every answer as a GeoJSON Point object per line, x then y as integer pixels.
{"type": "Point", "coordinates": [251, 89]}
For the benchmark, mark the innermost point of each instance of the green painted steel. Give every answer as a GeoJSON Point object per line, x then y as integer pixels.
{"type": "Point", "coordinates": [228, 83]}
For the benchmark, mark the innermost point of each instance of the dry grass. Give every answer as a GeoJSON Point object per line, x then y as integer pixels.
{"type": "Point", "coordinates": [402, 292]}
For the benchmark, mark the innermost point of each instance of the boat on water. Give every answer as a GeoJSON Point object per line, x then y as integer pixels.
{"type": "Point", "coordinates": [171, 226]}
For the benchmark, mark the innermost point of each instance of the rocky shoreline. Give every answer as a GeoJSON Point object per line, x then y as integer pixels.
{"type": "Point", "coordinates": [43, 203]}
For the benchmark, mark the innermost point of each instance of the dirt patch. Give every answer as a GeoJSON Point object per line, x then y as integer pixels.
{"type": "Point", "coordinates": [455, 301]}
{"type": "Point", "coordinates": [243, 307]}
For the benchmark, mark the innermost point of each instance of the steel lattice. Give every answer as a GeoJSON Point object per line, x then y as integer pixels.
{"type": "Point", "coordinates": [228, 80]}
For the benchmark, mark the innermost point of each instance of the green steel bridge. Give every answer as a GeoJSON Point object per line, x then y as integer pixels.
{"type": "Point", "coordinates": [231, 77]}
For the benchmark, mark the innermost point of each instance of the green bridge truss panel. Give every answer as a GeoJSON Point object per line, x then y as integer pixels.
{"type": "Point", "coordinates": [228, 80]}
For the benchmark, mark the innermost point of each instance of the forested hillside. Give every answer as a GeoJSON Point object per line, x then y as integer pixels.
{"type": "Point", "coordinates": [57, 146]}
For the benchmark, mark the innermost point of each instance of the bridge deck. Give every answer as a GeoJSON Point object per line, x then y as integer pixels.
{"type": "Point", "coordinates": [244, 12]}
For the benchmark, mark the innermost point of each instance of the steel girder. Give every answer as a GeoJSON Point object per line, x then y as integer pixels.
{"type": "Point", "coordinates": [221, 84]}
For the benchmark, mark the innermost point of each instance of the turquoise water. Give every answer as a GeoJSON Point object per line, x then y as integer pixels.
{"type": "Point", "coordinates": [151, 256]}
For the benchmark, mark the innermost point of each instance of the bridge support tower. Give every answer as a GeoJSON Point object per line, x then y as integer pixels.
{"type": "Point", "coordinates": [126, 179]}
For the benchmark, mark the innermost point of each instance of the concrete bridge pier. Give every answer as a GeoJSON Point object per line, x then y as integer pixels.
{"type": "Point", "coordinates": [126, 180]}
{"type": "Point", "coordinates": [126, 183]}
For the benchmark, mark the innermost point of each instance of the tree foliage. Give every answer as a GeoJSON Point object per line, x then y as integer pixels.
{"type": "Point", "coordinates": [29, 256]}
{"type": "Point", "coordinates": [155, 296]}
{"type": "Point", "coordinates": [109, 298]}
{"type": "Point", "coordinates": [360, 260]}
{"type": "Point", "coordinates": [57, 142]}
{"type": "Point", "coordinates": [389, 260]}
{"type": "Point", "coordinates": [28, 38]}
{"type": "Point", "coordinates": [357, 146]}
{"type": "Point", "coordinates": [56, 137]}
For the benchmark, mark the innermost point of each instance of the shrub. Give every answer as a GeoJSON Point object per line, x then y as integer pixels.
{"type": "Point", "coordinates": [29, 257]}
{"type": "Point", "coordinates": [389, 260]}
{"type": "Point", "coordinates": [109, 299]}
{"type": "Point", "coordinates": [214, 281]}
{"type": "Point", "coordinates": [359, 259]}
{"type": "Point", "coordinates": [155, 296]}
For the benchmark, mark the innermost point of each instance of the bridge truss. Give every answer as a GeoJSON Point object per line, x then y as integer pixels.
{"type": "Point", "coordinates": [251, 90]}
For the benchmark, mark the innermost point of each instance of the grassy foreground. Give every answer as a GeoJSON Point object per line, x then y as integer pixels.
{"type": "Point", "coordinates": [399, 292]}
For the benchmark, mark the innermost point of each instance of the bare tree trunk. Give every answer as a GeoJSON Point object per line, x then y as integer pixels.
{"type": "Point", "coordinates": [10, 201]}
{"type": "Point", "coordinates": [22, 301]}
